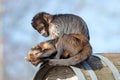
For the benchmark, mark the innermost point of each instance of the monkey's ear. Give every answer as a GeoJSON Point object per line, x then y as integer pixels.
{"type": "Point", "coordinates": [47, 17]}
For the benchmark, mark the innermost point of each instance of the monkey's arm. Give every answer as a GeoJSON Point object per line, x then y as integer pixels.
{"type": "Point", "coordinates": [49, 48]}
{"type": "Point", "coordinates": [84, 54]}
{"type": "Point", "coordinates": [48, 53]}
{"type": "Point", "coordinates": [45, 53]}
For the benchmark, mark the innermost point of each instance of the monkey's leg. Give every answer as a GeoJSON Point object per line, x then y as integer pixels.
{"type": "Point", "coordinates": [67, 62]}
{"type": "Point", "coordinates": [59, 52]}
{"type": "Point", "coordinates": [83, 55]}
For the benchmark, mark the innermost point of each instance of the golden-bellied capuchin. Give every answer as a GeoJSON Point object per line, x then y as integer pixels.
{"type": "Point", "coordinates": [53, 25]}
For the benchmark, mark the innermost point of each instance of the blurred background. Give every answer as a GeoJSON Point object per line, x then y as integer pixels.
{"type": "Point", "coordinates": [17, 35]}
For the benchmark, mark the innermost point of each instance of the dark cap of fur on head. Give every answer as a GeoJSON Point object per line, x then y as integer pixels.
{"type": "Point", "coordinates": [38, 16]}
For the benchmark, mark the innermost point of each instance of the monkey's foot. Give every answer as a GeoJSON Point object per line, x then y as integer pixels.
{"type": "Point", "coordinates": [95, 62]}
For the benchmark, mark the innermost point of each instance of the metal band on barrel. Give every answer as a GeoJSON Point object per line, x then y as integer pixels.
{"type": "Point", "coordinates": [78, 72]}
{"type": "Point", "coordinates": [90, 71]}
{"type": "Point", "coordinates": [111, 66]}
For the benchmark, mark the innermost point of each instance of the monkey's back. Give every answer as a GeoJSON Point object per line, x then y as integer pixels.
{"type": "Point", "coordinates": [71, 43]}
{"type": "Point", "coordinates": [69, 23]}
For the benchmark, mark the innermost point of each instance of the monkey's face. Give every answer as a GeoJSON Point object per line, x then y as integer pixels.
{"type": "Point", "coordinates": [41, 26]}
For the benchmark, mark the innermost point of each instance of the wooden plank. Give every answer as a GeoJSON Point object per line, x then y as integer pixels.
{"type": "Point", "coordinates": [105, 72]}
{"type": "Point", "coordinates": [113, 57]}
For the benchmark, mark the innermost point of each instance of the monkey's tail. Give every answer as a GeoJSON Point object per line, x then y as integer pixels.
{"type": "Point", "coordinates": [83, 55]}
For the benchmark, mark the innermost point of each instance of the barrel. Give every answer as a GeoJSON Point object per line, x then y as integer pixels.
{"type": "Point", "coordinates": [110, 70]}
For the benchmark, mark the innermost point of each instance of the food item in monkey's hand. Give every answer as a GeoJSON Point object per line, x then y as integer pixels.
{"type": "Point", "coordinates": [33, 57]}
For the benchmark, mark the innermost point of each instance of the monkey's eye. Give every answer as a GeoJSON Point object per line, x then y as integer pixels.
{"type": "Point", "coordinates": [40, 29]}
{"type": "Point", "coordinates": [41, 25]}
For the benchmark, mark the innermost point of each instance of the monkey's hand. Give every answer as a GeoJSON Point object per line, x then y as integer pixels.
{"type": "Point", "coordinates": [35, 62]}
{"type": "Point", "coordinates": [33, 57]}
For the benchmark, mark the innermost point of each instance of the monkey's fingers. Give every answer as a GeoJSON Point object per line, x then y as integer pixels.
{"type": "Point", "coordinates": [35, 63]}
{"type": "Point", "coordinates": [27, 59]}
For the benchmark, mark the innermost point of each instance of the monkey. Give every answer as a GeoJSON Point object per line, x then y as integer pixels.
{"type": "Point", "coordinates": [74, 48]}
{"type": "Point", "coordinates": [53, 25]}
{"type": "Point", "coordinates": [47, 24]}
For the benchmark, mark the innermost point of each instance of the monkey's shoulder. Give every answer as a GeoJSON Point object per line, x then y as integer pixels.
{"type": "Point", "coordinates": [65, 15]}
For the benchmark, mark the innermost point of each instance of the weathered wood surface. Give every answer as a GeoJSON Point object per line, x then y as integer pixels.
{"type": "Point", "coordinates": [66, 73]}
{"type": "Point", "coordinates": [105, 73]}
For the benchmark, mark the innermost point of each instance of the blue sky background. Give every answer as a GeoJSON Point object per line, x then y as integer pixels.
{"type": "Point", "coordinates": [101, 16]}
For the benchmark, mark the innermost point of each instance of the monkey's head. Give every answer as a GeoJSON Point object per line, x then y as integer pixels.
{"type": "Point", "coordinates": [40, 22]}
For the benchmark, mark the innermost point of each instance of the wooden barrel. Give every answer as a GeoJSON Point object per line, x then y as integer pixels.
{"type": "Point", "coordinates": [110, 70]}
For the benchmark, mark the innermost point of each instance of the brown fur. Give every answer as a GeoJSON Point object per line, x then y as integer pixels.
{"type": "Point", "coordinates": [74, 46]}
{"type": "Point", "coordinates": [53, 25]}
{"type": "Point", "coordinates": [32, 56]}
{"type": "Point", "coordinates": [35, 54]}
